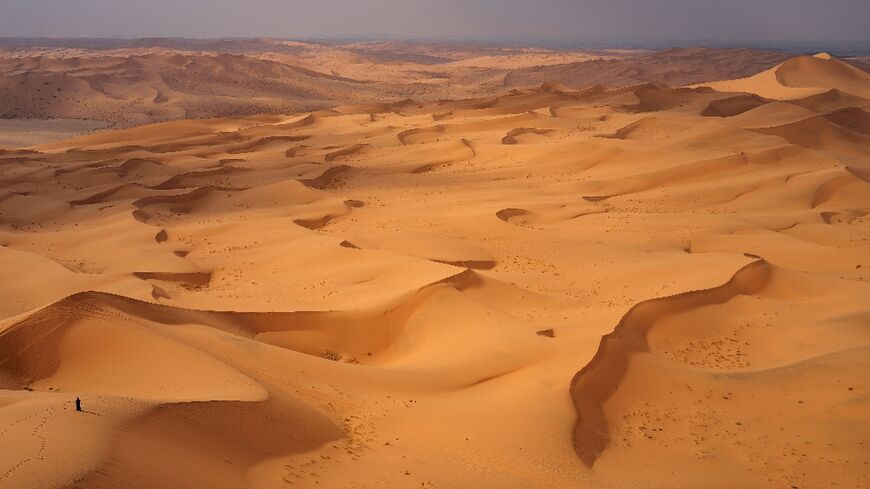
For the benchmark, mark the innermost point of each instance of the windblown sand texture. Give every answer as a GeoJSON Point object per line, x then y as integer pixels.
{"type": "Point", "coordinates": [548, 287]}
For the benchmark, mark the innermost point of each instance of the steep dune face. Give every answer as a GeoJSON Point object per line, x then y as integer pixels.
{"type": "Point", "coordinates": [730, 387]}
{"type": "Point", "coordinates": [632, 287]}
{"type": "Point", "coordinates": [732, 106]}
{"type": "Point", "coordinates": [598, 380]}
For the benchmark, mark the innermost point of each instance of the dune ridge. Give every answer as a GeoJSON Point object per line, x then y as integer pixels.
{"type": "Point", "coordinates": [597, 380]}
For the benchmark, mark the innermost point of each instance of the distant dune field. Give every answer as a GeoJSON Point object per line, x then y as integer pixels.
{"type": "Point", "coordinates": [511, 282]}
{"type": "Point", "coordinates": [29, 132]}
{"type": "Point", "coordinates": [129, 83]}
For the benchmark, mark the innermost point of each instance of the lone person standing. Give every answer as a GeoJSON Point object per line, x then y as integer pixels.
{"type": "Point", "coordinates": [78, 404]}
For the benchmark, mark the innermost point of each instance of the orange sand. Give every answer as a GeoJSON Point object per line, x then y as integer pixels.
{"type": "Point", "coordinates": [547, 287]}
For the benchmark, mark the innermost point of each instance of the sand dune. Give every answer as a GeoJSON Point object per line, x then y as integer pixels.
{"type": "Point", "coordinates": [802, 77]}
{"type": "Point", "coordinates": [674, 67]}
{"type": "Point", "coordinates": [732, 106]}
{"type": "Point", "coordinates": [546, 286]}
{"type": "Point", "coordinates": [846, 130]}
{"type": "Point", "coordinates": [662, 339]}
{"type": "Point", "coordinates": [598, 380]}
{"type": "Point", "coordinates": [81, 85]}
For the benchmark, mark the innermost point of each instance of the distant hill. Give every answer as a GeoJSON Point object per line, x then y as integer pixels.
{"type": "Point", "coordinates": [127, 82]}
{"type": "Point", "coordinates": [131, 90]}
{"type": "Point", "coordinates": [673, 67]}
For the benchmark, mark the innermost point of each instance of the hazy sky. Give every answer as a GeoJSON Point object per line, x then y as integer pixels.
{"type": "Point", "coordinates": [746, 20]}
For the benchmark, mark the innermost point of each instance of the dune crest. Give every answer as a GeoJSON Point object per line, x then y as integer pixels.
{"type": "Point", "coordinates": [596, 382]}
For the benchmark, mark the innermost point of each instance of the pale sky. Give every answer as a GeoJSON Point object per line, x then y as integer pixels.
{"type": "Point", "coordinates": [744, 20]}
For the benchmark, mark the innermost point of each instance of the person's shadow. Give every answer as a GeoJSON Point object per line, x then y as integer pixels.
{"type": "Point", "coordinates": [78, 408]}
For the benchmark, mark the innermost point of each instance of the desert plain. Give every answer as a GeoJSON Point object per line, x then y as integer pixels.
{"type": "Point", "coordinates": [406, 265]}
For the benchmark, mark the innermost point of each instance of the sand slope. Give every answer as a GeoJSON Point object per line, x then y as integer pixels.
{"type": "Point", "coordinates": [634, 287]}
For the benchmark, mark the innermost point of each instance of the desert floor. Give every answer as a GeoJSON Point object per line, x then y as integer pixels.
{"type": "Point", "coordinates": [544, 287]}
